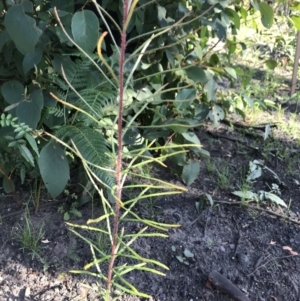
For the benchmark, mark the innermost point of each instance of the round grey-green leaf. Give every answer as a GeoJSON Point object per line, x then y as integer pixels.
{"type": "Point", "coordinates": [22, 28]}
{"type": "Point", "coordinates": [85, 29]}
{"type": "Point", "coordinates": [54, 168]}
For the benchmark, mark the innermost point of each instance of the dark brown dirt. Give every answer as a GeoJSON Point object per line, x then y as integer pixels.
{"type": "Point", "coordinates": [243, 244]}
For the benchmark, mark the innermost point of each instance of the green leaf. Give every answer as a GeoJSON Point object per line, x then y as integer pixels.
{"type": "Point", "coordinates": [144, 94]}
{"type": "Point", "coordinates": [179, 258]}
{"type": "Point", "coordinates": [211, 88]}
{"type": "Point", "coordinates": [54, 168]}
{"type": "Point", "coordinates": [220, 29]}
{"type": "Point", "coordinates": [31, 59]}
{"type": "Point", "coordinates": [163, 21]}
{"type": "Point", "coordinates": [85, 30]}
{"type": "Point", "coordinates": [198, 51]}
{"type": "Point", "coordinates": [246, 79]}
{"type": "Point", "coordinates": [231, 72]}
{"type": "Point", "coordinates": [32, 143]}
{"type": "Point", "coordinates": [29, 110]}
{"type": "Point", "coordinates": [254, 174]}
{"type": "Point", "coordinates": [271, 64]}
{"type": "Point", "coordinates": [296, 21]}
{"type": "Point", "coordinates": [295, 6]}
{"type": "Point", "coordinates": [8, 185]}
{"type": "Point", "coordinates": [3, 38]}
{"type": "Point", "coordinates": [231, 46]}
{"type": "Point", "coordinates": [234, 17]}
{"type": "Point", "coordinates": [210, 199]}
{"type": "Point", "coordinates": [176, 126]}
{"type": "Point", "coordinates": [216, 114]}
{"type": "Point", "coordinates": [184, 98]}
{"type": "Point", "coordinates": [267, 14]}
{"type": "Point", "coordinates": [13, 91]}
{"type": "Point", "coordinates": [273, 198]}
{"type": "Point", "coordinates": [196, 74]}
{"type": "Point", "coordinates": [25, 152]}
{"type": "Point", "coordinates": [190, 172]}
{"type": "Point", "coordinates": [201, 112]}
{"type": "Point", "coordinates": [170, 58]}
{"type": "Point", "coordinates": [180, 125]}
{"type": "Point", "coordinates": [244, 13]}
{"type": "Point", "coordinates": [62, 36]}
{"type": "Point", "coordinates": [22, 173]}
{"type": "Point", "coordinates": [139, 25]}
{"type": "Point", "coordinates": [214, 59]}
{"type": "Point", "coordinates": [22, 28]}
{"type": "Point", "coordinates": [66, 216]}
{"type": "Point", "coordinates": [247, 195]}
{"type": "Point", "coordinates": [191, 137]}
{"type": "Point", "coordinates": [130, 137]}
{"type": "Point", "coordinates": [64, 62]}
{"type": "Point", "coordinates": [179, 159]}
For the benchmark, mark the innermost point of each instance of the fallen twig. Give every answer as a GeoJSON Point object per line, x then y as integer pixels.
{"type": "Point", "coordinates": [259, 209]}
{"type": "Point", "coordinates": [261, 127]}
{"type": "Point", "coordinates": [227, 286]}
{"type": "Point", "coordinates": [218, 136]}
{"type": "Point", "coordinates": [260, 259]}
{"type": "Point", "coordinates": [275, 258]}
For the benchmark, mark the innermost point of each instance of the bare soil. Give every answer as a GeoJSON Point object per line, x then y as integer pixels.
{"type": "Point", "coordinates": [244, 244]}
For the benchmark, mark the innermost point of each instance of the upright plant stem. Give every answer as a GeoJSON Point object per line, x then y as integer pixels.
{"type": "Point", "coordinates": [119, 158]}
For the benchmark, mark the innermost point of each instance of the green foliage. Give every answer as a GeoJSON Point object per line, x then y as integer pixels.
{"type": "Point", "coordinates": [72, 211]}
{"type": "Point", "coordinates": [170, 89]}
{"type": "Point", "coordinates": [18, 150]}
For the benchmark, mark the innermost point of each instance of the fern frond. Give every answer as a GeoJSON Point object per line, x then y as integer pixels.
{"type": "Point", "coordinates": [97, 103]}
{"type": "Point", "coordinates": [60, 83]}
{"type": "Point", "coordinates": [44, 116]}
{"type": "Point", "coordinates": [56, 111]}
{"type": "Point", "coordinates": [82, 56]}
{"type": "Point", "coordinates": [79, 77]}
{"type": "Point", "coordinates": [92, 146]}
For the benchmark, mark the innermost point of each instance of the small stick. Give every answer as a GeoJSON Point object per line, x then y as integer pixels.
{"type": "Point", "coordinates": [273, 259]}
{"type": "Point", "coordinates": [259, 209]}
{"type": "Point", "coordinates": [227, 286]}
